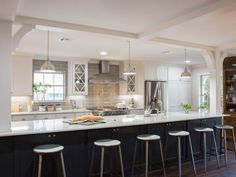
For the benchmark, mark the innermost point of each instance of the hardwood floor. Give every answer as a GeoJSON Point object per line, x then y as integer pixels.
{"type": "Point", "coordinates": [212, 169]}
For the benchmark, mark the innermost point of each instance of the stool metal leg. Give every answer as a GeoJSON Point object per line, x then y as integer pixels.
{"type": "Point", "coordinates": [162, 159]}
{"type": "Point", "coordinates": [225, 144]}
{"type": "Point", "coordinates": [102, 161]}
{"type": "Point", "coordinates": [217, 156]}
{"type": "Point", "coordinates": [92, 161]}
{"type": "Point", "coordinates": [179, 155]}
{"type": "Point", "coordinates": [191, 149]}
{"type": "Point", "coordinates": [40, 165]}
{"type": "Point", "coordinates": [204, 150]}
{"type": "Point", "coordinates": [63, 164]}
{"type": "Point", "coordinates": [121, 162]}
{"type": "Point", "coordinates": [234, 141]}
{"type": "Point", "coordinates": [133, 166]}
{"type": "Point", "coordinates": [146, 155]}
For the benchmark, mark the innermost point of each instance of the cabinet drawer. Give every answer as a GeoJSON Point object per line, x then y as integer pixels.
{"type": "Point", "coordinates": [44, 116]}
{"type": "Point", "coordinates": [64, 116]}
{"type": "Point", "coordinates": [22, 117]}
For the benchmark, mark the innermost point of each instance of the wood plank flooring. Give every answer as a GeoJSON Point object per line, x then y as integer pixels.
{"type": "Point", "coordinates": [212, 169]}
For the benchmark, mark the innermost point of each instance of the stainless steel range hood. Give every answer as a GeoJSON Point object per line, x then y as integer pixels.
{"type": "Point", "coordinates": [105, 76]}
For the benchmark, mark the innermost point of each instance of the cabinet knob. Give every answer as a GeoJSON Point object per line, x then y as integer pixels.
{"type": "Point", "coordinates": [53, 135]}
{"type": "Point", "coordinates": [117, 129]}
{"type": "Point", "coordinates": [49, 136]}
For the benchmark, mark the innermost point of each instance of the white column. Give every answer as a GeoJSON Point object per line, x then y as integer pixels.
{"type": "Point", "coordinates": [211, 64]}
{"type": "Point", "coordinates": [5, 75]}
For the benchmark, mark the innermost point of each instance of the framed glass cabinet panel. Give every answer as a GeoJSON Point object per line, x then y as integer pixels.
{"type": "Point", "coordinates": [80, 78]}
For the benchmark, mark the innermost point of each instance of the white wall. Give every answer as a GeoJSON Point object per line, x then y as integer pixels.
{"type": "Point", "coordinates": [196, 73]}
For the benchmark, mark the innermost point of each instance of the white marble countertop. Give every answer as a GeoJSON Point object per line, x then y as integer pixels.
{"type": "Point", "coordinates": [57, 125]}
{"type": "Point", "coordinates": [52, 112]}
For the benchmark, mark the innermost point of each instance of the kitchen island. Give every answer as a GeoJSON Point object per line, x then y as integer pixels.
{"type": "Point", "coordinates": [16, 155]}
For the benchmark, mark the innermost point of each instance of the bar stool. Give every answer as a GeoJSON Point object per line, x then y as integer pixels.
{"type": "Point", "coordinates": [106, 143]}
{"type": "Point", "coordinates": [224, 128]}
{"type": "Point", "coordinates": [49, 149]}
{"type": "Point", "coordinates": [146, 138]}
{"type": "Point", "coordinates": [204, 131]}
{"type": "Point", "coordinates": [180, 134]}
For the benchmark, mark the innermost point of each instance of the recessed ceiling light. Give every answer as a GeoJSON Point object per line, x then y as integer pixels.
{"type": "Point", "coordinates": [64, 39]}
{"type": "Point", "coordinates": [187, 61]}
{"type": "Point", "coordinates": [166, 52]}
{"type": "Point", "coordinates": [103, 53]}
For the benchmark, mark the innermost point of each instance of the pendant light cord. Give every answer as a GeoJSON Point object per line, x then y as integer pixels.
{"type": "Point", "coordinates": [129, 53]}
{"type": "Point", "coordinates": [48, 46]}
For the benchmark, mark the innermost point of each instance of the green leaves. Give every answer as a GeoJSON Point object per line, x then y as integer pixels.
{"type": "Point", "coordinates": [186, 106]}
{"type": "Point", "coordinates": [40, 88]}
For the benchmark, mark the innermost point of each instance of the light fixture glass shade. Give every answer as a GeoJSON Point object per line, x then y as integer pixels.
{"type": "Point", "coordinates": [186, 74]}
{"type": "Point", "coordinates": [47, 66]}
{"type": "Point", "coordinates": [131, 70]}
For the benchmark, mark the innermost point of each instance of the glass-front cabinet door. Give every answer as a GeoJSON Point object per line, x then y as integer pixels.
{"type": "Point", "coordinates": [80, 78]}
{"type": "Point", "coordinates": [229, 72]}
{"type": "Point", "coordinates": [131, 83]}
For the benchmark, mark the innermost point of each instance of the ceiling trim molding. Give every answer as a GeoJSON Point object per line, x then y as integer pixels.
{"type": "Point", "coordinates": [77, 27]}
{"type": "Point", "coordinates": [186, 44]}
{"type": "Point", "coordinates": [152, 32]}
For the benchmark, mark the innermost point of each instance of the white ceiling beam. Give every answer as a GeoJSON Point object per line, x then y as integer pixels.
{"type": "Point", "coordinates": [24, 29]}
{"type": "Point", "coordinates": [71, 26]}
{"type": "Point", "coordinates": [153, 32]}
{"type": "Point", "coordinates": [227, 46]}
{"type": "Point", "coordinates": [185, 44]}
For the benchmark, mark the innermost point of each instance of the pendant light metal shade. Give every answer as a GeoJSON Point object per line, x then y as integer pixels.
{"type": "Point", "coordinates": [130, 69]}
{"type": "Point", "coordinates": [186, 74]}
{"type": "Point", "coordinates": [47, 66]}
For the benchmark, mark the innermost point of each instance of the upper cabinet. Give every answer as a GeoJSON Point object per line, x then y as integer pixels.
{"type": "Point", "coordinates": [229, 75]}
{"type": "Point", "coordinates": [21, 78]}
{"type": "Point", "coordinates": [80, 78]}
{"type": "Point", "coordinates": [153, 71]}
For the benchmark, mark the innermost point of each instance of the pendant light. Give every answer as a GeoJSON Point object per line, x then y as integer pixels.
{"type": "Point", "coordinates": [47, 66]}
{"type": "Point", "coordinates": [131, 69]}
{"type": "Point", "coordinates": [186, 74]}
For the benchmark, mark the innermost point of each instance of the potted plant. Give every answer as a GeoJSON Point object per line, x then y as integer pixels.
{"type": "Point", "coordinates": [40, 88]}
{"type": "Point", "coordinates": [186, 107]}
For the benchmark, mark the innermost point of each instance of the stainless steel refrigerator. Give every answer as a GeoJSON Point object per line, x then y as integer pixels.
{"type": "Point", "coordinates": [156, 95]}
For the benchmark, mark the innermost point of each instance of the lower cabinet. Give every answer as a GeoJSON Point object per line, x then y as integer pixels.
{"type": "Point", "coordinates": [6, 157]}
{"type": "Point", "coordinates": [74, 154]}
{"type": "Point", "coordinates": [170, 142]}
{"type": "Point", "coordinates": [197, 138]}
{"type": "Point", "coordinates": [127, 136]}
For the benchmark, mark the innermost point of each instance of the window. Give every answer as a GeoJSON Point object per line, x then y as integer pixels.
{"type": "Point", "coordinates": [205, 92]}
{"type": "Point", "coordinates": [49, 86]}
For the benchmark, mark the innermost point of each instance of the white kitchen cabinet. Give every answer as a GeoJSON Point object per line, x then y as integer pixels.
{"type": "Point", "coordinates": [21, 79]}
{"type": "Point", "coordinates": [22, 117]}
{"type": "Point", "coordinates": [154, 71]}
{"type": "Point", "coordinates": [174, 73]}
{"type": "Point", "coordinates": [178, 92]}
{"type": "Point", "coordinates": [80, 78]}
